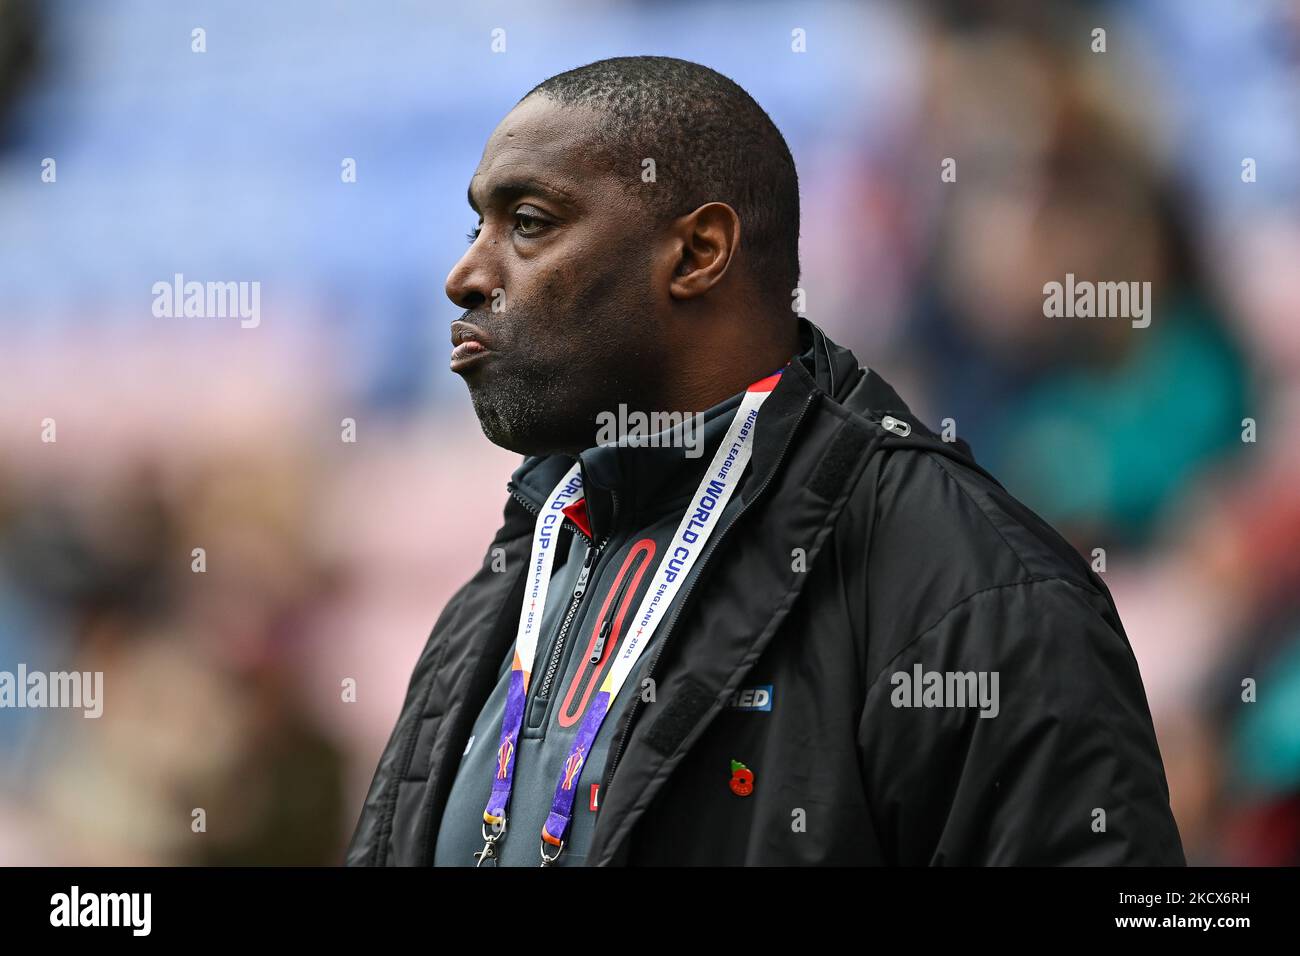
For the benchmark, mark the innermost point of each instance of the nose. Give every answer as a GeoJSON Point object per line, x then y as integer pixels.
{"type": "Point", "coordinates": [471, 281]}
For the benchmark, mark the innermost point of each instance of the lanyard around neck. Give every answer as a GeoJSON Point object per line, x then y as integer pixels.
{"type": "Point", "coordinates": [697, 525]}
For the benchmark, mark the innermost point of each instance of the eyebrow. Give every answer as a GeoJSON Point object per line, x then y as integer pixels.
{"type": "Point", "coordinates": [509, 189]}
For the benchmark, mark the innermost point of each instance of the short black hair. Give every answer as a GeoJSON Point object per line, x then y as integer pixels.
{"type": "Point", "coordinates": [710, 141]}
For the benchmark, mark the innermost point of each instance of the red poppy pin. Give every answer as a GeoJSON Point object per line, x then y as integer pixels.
{"type": "Point", "coordinates": [742, 779]}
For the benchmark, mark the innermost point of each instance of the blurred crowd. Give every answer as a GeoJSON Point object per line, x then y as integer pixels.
{"type": "Point", "coordinates": [247, 695]}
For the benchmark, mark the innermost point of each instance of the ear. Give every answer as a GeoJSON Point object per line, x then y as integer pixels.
{"type": "Point", "coordinates": [705, 242]}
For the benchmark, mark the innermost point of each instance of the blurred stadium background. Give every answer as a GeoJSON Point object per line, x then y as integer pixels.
{"type": "Point", "coordinates": [328, 560]}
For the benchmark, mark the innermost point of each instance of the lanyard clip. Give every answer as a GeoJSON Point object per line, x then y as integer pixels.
{"type": "Point", "coordinates": [548, 860]}
{"type": "Point", "coordinates": [489, 851]}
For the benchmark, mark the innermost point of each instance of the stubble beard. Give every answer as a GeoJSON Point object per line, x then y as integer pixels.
{"type": "Point", "coordinates": [514, 415]}
{"type": "Point", "coordinates": [548, 405]}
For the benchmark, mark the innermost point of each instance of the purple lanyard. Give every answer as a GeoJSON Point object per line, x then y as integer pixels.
{"type": "Point", "coordinates": [697, 524]}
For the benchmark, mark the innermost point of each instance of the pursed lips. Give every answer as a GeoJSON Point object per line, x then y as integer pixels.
{"type": "Point", "coordinates": [469, 343]}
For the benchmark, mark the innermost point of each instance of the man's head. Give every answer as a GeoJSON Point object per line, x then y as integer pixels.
{"type": "Point", "coordinates": [639, 218]}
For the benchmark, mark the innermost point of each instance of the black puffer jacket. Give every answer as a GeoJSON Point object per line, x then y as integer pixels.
{"type": "Point", "coordinates": [869, 560]}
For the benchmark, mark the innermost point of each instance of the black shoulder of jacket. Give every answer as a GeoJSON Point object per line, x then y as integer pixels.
{"type": "Point", "coordinates": [935, 505]}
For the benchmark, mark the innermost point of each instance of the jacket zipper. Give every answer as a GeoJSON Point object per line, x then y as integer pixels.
{"type": "Point", "coordinates": [598, 649]}
{"type": "Point", "coordinates": [612, 763]}
{"type": "Point", "coordinates": [578, 590]}
{"type": "Point", "coordinates": [534, 510]}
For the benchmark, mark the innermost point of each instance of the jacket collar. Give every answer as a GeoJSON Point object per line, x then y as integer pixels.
{"type": "Point", "coordinates": [621, 480]}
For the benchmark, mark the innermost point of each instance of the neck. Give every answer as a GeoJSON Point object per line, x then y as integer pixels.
{"type": "Point", "coordinates": [724, 364]}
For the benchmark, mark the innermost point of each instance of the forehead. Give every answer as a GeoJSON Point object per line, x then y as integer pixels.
{"type": "Point", "coordinates": [543, 141]}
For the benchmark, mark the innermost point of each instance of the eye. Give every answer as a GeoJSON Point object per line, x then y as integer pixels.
{"type": "Point", "coordinates": [473, 233]}
{"type": "Point", "coordinates": [529, 226]}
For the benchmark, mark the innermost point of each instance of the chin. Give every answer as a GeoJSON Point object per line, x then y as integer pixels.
{"type": "Point", "coordinates": [517, 434]}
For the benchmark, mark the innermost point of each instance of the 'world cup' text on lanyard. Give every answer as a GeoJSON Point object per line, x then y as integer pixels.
{"type": "Point", "coordinates": [697, 524]}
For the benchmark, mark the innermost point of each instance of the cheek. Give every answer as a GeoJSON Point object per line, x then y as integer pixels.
{"type": "Point", "coordinates": [593, 292]}
{"type": "Point", "coordinates": [581, 288]}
